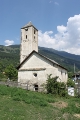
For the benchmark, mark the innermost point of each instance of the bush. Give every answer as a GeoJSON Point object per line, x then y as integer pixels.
{"type": "Point", "coordinates": [70, 83]}
{"type": "Point", "coordinates": [54, 87]}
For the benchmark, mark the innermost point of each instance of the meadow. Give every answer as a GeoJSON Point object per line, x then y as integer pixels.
{"type": "Point", "coordinates": [19, 104]}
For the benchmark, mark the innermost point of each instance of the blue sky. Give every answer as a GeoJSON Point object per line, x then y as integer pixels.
{"type": "Point", "coordinates": [58, 22]}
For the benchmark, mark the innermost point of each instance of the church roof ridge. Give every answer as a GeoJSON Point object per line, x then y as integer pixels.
{"type": "Point", "coordinates": [54, 62]}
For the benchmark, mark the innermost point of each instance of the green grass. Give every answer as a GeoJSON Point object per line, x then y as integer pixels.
{"type": "Point", "coordinates": [18, 104]}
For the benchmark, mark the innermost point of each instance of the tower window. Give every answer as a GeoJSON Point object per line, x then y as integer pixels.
{"type": "Point", "coordinates": [26, 36]}
{"type": "Point", "coordinates": [34, 37]}
{"type": "Point", "coordinates": [34, 31]}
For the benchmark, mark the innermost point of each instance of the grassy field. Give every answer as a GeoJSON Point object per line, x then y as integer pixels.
{"type": "Point", "coordinates": [18, 104]}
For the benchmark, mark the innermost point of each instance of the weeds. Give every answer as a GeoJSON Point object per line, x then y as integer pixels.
{"type": "Point", "coordinates": [18, 94]}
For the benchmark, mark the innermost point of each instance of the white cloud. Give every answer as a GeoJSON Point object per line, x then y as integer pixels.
{"type": "Point", "coordinates": [9, 42]}
{"type": "Point", "coordinates": [61, 29]}
{"type": "Point", "coordinates": [67, 38]}
{"type": "Point", "coordinates": [56, 3]}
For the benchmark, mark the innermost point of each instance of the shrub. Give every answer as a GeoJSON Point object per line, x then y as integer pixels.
{"type": "Point", "coordinates": [54, 87]}
{"type": "Point", "coordinates": [70, 83]}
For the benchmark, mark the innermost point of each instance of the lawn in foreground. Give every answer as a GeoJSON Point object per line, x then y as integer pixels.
{"type": "Point", "coordinates": [18, 104]}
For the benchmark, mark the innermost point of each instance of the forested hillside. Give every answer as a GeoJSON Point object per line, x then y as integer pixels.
{"type": "Point", "coordinates": [62, 53]}
{"type": "Point", "coordinates": [10, 55]}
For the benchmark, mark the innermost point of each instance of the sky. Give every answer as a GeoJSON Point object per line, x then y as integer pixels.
{"type": "Point", "coordinates": [57, 21]}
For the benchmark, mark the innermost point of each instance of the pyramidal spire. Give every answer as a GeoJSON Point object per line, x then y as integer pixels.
{"type": "Point", "coordinates": [29, 24]}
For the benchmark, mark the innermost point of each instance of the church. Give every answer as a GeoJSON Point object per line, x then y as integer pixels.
{"type": "Point", "coordinates": [34, 68]}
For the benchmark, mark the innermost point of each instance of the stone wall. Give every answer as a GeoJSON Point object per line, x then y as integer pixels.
{"type": "Point", "coordinates": [9, 83]}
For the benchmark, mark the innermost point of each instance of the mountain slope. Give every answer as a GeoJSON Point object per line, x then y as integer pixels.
{"type": "Point", "coordinates": [10, 55]}
{"type": "Point", "coordinates": [62, 53]}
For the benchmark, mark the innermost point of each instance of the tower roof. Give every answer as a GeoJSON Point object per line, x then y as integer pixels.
{"type": "Point", "coordinates": [28, 25]}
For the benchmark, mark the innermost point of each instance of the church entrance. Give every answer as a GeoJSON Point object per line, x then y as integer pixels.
{"type": "Point", "coordinates": [36, 87]}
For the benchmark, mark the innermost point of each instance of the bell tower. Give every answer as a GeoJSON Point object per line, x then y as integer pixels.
{"type": "Point", "coordinates": [29, 40]}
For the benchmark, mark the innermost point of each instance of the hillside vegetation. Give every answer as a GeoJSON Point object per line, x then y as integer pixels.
{"type": "Point", "coordinates": [11, 55]}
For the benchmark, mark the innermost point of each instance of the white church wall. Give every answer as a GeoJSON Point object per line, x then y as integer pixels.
{"type": "Point", "coordinates": [62, 73]}
{"type": "Point", "coordinates": [27, 79]}
{"type": "Point", "coordinates": [36, 61]}
{"type": "Point", "coordinates": [42, 68]}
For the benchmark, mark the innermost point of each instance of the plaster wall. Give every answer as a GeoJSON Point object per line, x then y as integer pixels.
{"type": "Point", "coordinates": [29, 42]}
{"type": "Point", "coordinates": [36, 61]}
{"type": "Point", "coordinates": [63, 75]}
{"type": "Point", "coordinates": [42, 67]}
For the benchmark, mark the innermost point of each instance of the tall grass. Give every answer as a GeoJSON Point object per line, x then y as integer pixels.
{"type": "Point", "coordinates": [73, 106]}
{"type": "Point", "coordinates": [22, 104]}
{"type": "Point", "coordinates": [28, 97]}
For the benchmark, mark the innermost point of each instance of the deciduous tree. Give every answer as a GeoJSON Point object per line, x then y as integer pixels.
{"type": "Point", "coordinates": [11, 72]}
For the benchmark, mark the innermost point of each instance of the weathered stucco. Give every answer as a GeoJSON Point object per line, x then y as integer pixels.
{"type": "Point", "coordinates": [33, 71]}
{"type": "Point", "coordinates": [42, 67]}
{"type": "Point", "coordinates": [29, 41]}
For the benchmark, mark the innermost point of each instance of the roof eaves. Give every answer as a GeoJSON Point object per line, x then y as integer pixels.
{"type": "Point", "coordinates": [29, 26]}
{"type": "Point", "coordinates": [53, 61]}
{"type": "Point", "coordinates": [24, 60]}
{"type": "Point", "coordinates": [41, 56]}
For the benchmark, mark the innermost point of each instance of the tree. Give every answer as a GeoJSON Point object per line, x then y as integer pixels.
{"type": "Point", "coordinates": [2, 75]}
{"type": "Point", "coordinates": [11, 72]}
{"type": "Point", "coordinates": [54, 87]}
{"type": "Point", "coordinates": [51, 84]}
{"type": "Point", "coordinates": [70, 74]}
{"type": "Point", "coordinates": [70, 83]}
